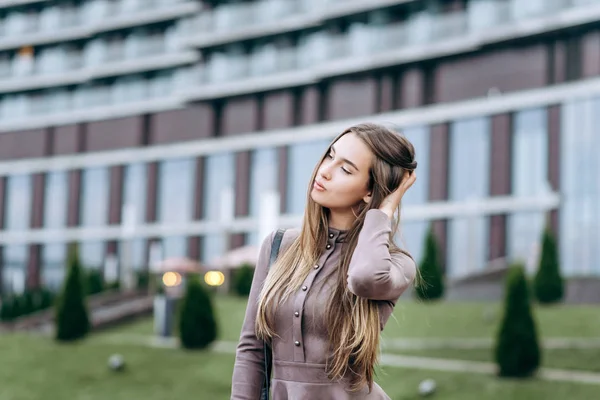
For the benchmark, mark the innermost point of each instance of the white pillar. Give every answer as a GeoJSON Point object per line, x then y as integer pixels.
{"type": "Point", "coordinates": [128, 227]}
{"type": "Point", "coordinates": [268, 216]}
{"type": "Point", "coordinates": [111, 273]}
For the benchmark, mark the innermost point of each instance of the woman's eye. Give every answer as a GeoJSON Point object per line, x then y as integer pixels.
{"type": "Point", "coordinates": [346, 171]}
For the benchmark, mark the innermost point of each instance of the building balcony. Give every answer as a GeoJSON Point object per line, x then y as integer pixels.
{"type": "Point", "coordinates": [364, 47]}
{"type": "Point", "coordinates": [61, 24]}
{"type": "Point", "coordinates": [16, 3]}
{"type": "Point", "coordinates": [72, 72]}
{"type": "Point", "coordinates": [128, 95]}
{"type": "Point", "coordinates": [234, 22]}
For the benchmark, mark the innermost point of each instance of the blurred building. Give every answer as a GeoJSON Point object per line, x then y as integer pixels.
{"type": "Point", "coordinates": [162, 105]}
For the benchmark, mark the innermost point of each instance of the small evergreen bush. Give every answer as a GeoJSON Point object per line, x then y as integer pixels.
{"type": "Point", "coordinates": [197, 323]}
{"type": "Point", "coordinates": [430, 284]}
{"type": "Point", "coordinates": [243, 280]}
{"type": "Point", "coordinates": [517, 351]}
{"type": "Point", "coordinates": [72, 321]}
{"type": "Point", "coordinates": [548, 284]}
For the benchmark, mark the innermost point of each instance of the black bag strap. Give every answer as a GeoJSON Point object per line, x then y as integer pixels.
{"type": "Point", "coordinates": [275, 246]}
{"type": "Point", "coordinates": [267, 351]}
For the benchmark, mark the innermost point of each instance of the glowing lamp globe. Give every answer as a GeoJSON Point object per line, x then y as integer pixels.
{"type": "Point", "coordinates": [171, 279]}
{"type": "Point", "coordinates": [214, 278]}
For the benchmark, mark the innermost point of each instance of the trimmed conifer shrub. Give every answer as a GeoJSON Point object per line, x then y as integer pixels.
{"type": "Point", "coordinates": [548, 284]}
{"type": "Point", "coordinates": [72, 321]}
{"type": "Point", "coordinates": [197, 323]}
{"type": "Point", "coordinates": [8, 308]}
{"type": "Point", "coordinates": [243, 280]}
{"type": "Point", "coordinates": [46, 298]}
{"type": "Point", "coordinates": [430, 284]}
{"type": "Point", "coordinates": [517, 350]}
{"type": "Point", "coordinates": [143, 279]}
{"type": "Point", "coordinates": [95, 281]}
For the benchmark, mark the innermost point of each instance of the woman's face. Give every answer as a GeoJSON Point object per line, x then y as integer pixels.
{"type": "Point", "coordinates": [343, 176]}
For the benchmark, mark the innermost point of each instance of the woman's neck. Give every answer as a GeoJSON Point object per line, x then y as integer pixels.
{"type": "Point", "coordinates": [341, 220]}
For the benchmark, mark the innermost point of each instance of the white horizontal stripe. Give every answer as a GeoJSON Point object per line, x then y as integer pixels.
{"type": "Point", "coordinates": [98, 113]}
{"type": "Point", "coordinates": [433, 114]}
{"type": "Point", "coordinates": [250, 85]}
{"type": "Point", "coordinates": [430, 211]}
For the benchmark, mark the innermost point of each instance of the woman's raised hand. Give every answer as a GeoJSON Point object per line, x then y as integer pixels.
{"type": "Point", "coordinates": [390, 202]}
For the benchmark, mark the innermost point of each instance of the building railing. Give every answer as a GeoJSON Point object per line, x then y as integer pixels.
{"type": "Point", "coordinates": [64, 23]}
{"type": "Point", "coordinates": [17, 3]}
{"type": "Point", "coordinates": [231, 22]}
{"type": "Point", "coordinates": [320, 54]}
{"type": "Point", "coordinates": [72, 69]}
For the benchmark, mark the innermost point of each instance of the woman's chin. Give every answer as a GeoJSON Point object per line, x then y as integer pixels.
{"type": "Point", "coordinates": [317, 197]}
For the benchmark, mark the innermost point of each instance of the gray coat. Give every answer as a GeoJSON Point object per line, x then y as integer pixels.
{"type": "Point", "coordinates": [299, 354]}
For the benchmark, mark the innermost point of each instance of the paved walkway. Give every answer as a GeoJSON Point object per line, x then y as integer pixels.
{"type": "Point", "coordinates": [401, 361]}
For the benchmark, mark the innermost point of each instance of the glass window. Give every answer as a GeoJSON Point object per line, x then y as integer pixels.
{"type": "Point", "coordinates": [15, 265]}
{"type": "Point", "coordinates": [138, 254]}
{"type": "Point", "coordinates": [263, 176]}
{"type": "Point", "coordinates": [482, 14]}
{"type": "Point", "coordinates": [174, 246]}
{"type": "Point", "coordinates": [213, 246]}
{"type": "Point", "coordinates": [134, 191]}
{"type": "Point", "coordinates": [132, 252]}
{"type": "Point", "coordinates": [412, 233]}
{"type": "Point", "coordinates": [56, 200]}
{"type": "Point", "coordinates": [580, 187]}
{"type": "Point", "coordinates": [219, 176]}
{"type": "Point", "coordinates": [18, 203]}
{"type": "Point", "coordinates": [529, 178]}
{"type": "Point", "coordinates": [302, 160]}
{"type": "Point", "coordinates": [468, 181]}
{"type": "Point", "coordinates": [176, 191]}
{"type": "Point", "coordinates": [92, 254]}
{"type": "Point", "coordinates": [53, 265]}
{"type": "Point", "coordinates": [94, 197]}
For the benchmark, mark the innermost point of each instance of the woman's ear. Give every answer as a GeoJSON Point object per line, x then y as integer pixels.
{"type": "Point", "coordinates": [367, 198]}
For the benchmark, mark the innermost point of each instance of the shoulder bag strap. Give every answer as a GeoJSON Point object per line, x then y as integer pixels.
{"type": "Point", "coordinates": [267, 350]}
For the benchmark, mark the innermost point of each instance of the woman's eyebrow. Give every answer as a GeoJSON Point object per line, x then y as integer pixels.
{"type": "Point", "coordinates": [346, 160]}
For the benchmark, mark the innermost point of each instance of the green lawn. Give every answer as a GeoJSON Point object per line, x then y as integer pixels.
{"type": "Point", "coordinates": [575, 358]}
{"type": "Point", "coordinates": [481, 320]}
{"type": "Point", "coordinates": [36, 367]}
{"type": "Point", "coordinates": [423, 320]}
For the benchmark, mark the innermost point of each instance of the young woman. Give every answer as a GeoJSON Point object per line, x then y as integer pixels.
{"type": "Point", "coordinates": [322, 304]}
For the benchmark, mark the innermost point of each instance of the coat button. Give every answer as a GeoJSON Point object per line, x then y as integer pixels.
{"type": "Point", "coordinates": [304, 288]}
{"type": "Point", "coordinates": [297, 314]}
{"type": "Point", "coordinates": [316, 267]}
{"type": "Point", "coordinates": [331, 235]}
{"type": "Point", "coordinates": [297, 343]}
{"type": "Point", "coordinates": [328, 246]}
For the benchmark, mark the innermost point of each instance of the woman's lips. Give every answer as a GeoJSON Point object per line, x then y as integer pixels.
{"type": "Point", "coordinates": [318, 186]}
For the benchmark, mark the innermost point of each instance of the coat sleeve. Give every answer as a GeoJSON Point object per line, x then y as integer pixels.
{"type": "Point", "coordinates": [248, 375]}
{"type": "Point", "coordinates": [373, 272]}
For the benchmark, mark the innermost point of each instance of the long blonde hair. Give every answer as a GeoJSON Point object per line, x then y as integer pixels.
{"type": "Point", "coordinates": [353, 322]}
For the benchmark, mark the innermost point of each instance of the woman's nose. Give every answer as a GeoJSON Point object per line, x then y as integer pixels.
{"type": "Point", "coordinates": [324, 172]}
